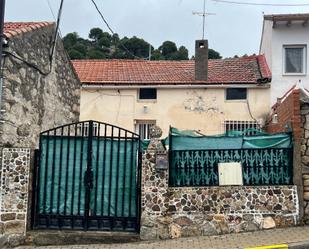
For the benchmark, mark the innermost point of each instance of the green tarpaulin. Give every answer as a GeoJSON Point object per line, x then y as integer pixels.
{"type": "Point", "coordinates": [63, 166]}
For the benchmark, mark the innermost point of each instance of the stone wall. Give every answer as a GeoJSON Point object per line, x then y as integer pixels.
{"type": "Point", "coordinates": [305, 157]}
{"type": "Point", "coordinates": [14, 195]}
{"type": "Point", "coordinates": [32, 102]}
{"type": "Point", "coordinates": [176, 212]}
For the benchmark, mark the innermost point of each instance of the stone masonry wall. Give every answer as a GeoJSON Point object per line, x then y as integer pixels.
{"type": "Point", "coordinates": [177, 212]}
{"type": "Point", "coordinates": [31, 101]}
{"type": "Point", "coordinates": [305, 157]}
{"type": "Point", "coordinates": [14, 195]}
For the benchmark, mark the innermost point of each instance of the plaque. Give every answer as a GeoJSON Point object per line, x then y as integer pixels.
{"type": "Point", "coordinates": [161, 161]}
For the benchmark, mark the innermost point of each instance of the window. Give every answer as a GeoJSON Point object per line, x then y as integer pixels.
{"type": "Point", "coordinates": [83, 129]}
{"type": "Point", "coordinates": [294, 59]}
{"type": "Point", "coordinates": [235, 125]}
{"type": "Point", "coordinates": [236, 93]}
{"type": "Point", "coordinates": [148, 93]}
{"type": "Point", "coordinates": [142, 127]}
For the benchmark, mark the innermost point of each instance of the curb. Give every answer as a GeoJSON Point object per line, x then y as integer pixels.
{"type": "Point", "coordinates": [299, 245]}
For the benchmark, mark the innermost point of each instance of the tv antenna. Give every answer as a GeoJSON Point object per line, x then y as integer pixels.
{"type": "Point", "coordinates": [204, 14]}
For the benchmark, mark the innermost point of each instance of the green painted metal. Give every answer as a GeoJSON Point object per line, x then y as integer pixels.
{"type": "Point", "coordinates": [260, 166]}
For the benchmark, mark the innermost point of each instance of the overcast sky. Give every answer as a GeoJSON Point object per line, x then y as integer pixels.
{"type": "Point", "coordinates": [235, 29]}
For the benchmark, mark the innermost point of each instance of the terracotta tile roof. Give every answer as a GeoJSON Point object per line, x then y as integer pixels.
{"type": "Point", "coordinates": [15, 28]}
{"type": "Point", "coordinates": [246, 70]}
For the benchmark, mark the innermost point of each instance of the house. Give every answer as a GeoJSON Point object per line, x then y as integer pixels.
{"type": "Point", "coordinates": [208, 96]}
{"type": "Point", "coordinates": [284, 42]}
{"type": "Point", "coordinates": [40, 89]}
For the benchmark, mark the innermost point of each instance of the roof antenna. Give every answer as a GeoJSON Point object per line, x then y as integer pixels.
{"type": "Point", "coordinates": [203, 14]}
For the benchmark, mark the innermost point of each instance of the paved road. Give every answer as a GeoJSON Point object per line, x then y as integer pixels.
{"type": "Point", "coordinates": [231, 241]}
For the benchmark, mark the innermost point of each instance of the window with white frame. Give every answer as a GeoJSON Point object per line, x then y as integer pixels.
{"type": "Point", "coordinates": [294, 59]}
{"type": "Point", "coordinates": [142, 127]}
{"type": "Point", "coordinates": [236, 125]}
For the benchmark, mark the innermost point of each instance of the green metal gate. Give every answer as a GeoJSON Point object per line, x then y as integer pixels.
{"type": "Point", "coordinates": [88, 178]}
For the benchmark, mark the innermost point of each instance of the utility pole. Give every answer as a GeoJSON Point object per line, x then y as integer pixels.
{"type": "Point", "coordinates": [2, 11]}
{"type": "Point", "coordinates": [203, 14]}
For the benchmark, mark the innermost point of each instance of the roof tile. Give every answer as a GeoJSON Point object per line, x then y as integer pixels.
{"type": "Point", "coordinates": [247, 70]}
{"type": "Point", "coordinates": [14, 28]}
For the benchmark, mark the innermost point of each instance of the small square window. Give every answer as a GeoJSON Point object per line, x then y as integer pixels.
{"type": "Point", "coordinates": [236, 93]}
{"type": "Point", "coordinates": [294, 59]}
{"type": "Point", "coordinates": [148, 93]}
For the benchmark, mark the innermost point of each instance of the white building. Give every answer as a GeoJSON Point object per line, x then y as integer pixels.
{"type": "Point", "coordinates": [284, 42]}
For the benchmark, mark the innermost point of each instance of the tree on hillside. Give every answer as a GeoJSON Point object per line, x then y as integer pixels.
{"type": "Point", "coordinates": [103, 45]}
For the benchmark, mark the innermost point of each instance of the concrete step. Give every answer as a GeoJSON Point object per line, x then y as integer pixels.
{"type": "Point", "coordinates": [50, 237]}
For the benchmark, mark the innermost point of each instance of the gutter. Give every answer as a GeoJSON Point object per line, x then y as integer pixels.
{"type": "Point", "coordinates": [221, 86]}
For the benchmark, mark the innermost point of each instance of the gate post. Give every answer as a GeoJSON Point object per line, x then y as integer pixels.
{"type": "Point", "coordinates": [14, 195]}
{"type": "Point", "coordinates": [154, 180]}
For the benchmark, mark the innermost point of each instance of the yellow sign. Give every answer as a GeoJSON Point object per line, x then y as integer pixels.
{"type": "Point", "coordinates": [283, 246]}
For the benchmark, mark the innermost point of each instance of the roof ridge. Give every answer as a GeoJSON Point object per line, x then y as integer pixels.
{"type": "Point", "coordinates": [16, 28]}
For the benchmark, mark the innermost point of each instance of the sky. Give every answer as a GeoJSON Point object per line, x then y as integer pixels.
{"type": "Point", "coordinates": [234, 30]}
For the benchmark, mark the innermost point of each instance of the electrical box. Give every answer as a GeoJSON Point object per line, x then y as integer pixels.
{"type": "Point", "coordinates": [230, 174]}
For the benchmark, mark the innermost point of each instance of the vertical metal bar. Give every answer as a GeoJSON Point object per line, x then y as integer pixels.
{"type": "Point", "coordinates": [46, 173]}
{"type": "Point", "coordinates": [60, 172]}
{"type": "Point", "coordinates": [138, 185]}
{"type": "Point", "coordinates": [67, 171]}
{"type": "Point", "coordinates": [80, 168]}
{"type": "Point", "coordinates": [131, 177]}
{"type": "Point", "coordinates": [124, 172]}
{"type": "Point", "coordinates": [35, 188]}
{"type": "Point", "coordinates": [53, 174]}
{"type": "Point", "coordinates": [89, 175]}
{"type": "Point", "coordinates": [97, 168]}
{"type": "Point", "coordinates": [117, 172]}
{"type": "Point", "coordinates": [74, 172]}
{"type": "Point", "coordinates": [110, 173]}
{"type": "Point", "coordinates": [103, 173]}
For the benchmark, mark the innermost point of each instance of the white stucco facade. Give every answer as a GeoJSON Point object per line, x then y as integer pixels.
{"type": "Point", "coordinates": [274, 39]}
{"type": "Point", "coordinates": [201, 109]}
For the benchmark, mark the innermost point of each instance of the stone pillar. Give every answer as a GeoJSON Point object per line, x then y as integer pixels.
{"type": "Point", "coordinates": [153, 181]}
{"type": "Point", "coordinates": [304, 149]}
{"type": "Point", "coordinates": [14, 194]}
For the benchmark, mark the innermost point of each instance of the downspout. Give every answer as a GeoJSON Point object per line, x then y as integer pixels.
{"type": "Point", "coordinates": [2, 11]}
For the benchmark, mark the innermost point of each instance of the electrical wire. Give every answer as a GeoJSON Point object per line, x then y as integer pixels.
{"type": "Point", "coordinates": [51, 54]}
{"type": "Point", "coordinates": [29, 64]}
{"type": "Point", "coordinates": [260, 4]}
{"type": "Point", "coordinates": [112, 31]}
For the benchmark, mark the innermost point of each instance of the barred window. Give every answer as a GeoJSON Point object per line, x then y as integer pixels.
{"type": "Point", "coordinates": [142, 127]}
{"type": "Point", "coordinates": [236, 125]}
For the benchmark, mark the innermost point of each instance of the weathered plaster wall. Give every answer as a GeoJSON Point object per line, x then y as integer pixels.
{"type": "Point", "coordinates": [176, 212]}
{"type": "Point", "coordinates": [305, 157]}
{"type": "Point", "coordinates": [33, 102]}
{"type": "Point", "coordinates": [198, 109]}
{"type": "Point", "coordinates": [14, 195]}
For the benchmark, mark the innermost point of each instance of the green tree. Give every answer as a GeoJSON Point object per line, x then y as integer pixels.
{"type": "Point", "coordinates": [167, 49]}
{"type": "Point", "coordinates": [213, 54]}
{"type": "Point", "coordinates": [70, 40]}
{"type": "Point", "coordinates": [75, 55]}
{"type": "Point", "coordinates": [96, 34]}
{"type": "Point", "coordinates": [96, 54]}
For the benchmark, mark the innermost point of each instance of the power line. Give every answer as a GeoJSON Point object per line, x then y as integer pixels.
{"type": "Point", "coordinates": [112, 31]}
{"type": "Point", "coordinates": [260, 4]}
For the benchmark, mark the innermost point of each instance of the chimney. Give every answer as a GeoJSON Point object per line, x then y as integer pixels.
{"type": "Point", "coordinates": [201, 60]}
